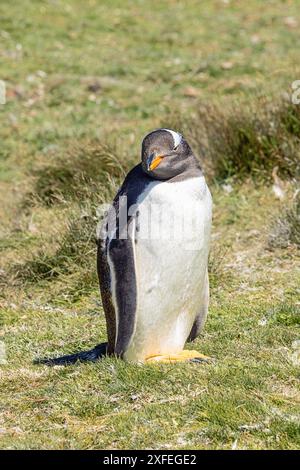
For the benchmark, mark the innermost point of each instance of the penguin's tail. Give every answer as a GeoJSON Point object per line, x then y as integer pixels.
{"type": "Point", "coordinates": [91, 355]}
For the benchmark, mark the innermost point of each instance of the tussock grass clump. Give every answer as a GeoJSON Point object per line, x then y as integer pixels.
{"type": "Point", "coordinates": [286, 229]}
{"type": "Point", "coordinates": [285, 314]}
{"type": "Point", "coordinates": [76, 250]}
{"type": "Point", "coordinates": [216, 267]}
{"type": "Point", "coordinates": [86, 170]}
{"type": "Point", "coordinates": [239, 140]}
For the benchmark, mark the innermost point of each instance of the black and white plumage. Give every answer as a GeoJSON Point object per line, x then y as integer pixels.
{"type": "Point", "coordinates": [155, 289]}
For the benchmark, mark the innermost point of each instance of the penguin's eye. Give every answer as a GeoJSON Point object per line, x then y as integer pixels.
{"type": "Point", "coordinates": [175, 148]}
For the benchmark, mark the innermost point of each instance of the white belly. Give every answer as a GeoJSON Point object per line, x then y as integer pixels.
{"type": "Point", "coordinates": [171, 263]}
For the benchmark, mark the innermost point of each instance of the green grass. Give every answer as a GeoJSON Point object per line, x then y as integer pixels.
{"type": "Point", "coordinates": [247, 137]}
{"type": "Point", "coordinates": [84, 84]}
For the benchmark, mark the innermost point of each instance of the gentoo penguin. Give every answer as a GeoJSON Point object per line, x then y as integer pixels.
{"type": "Point", "coordinates": [153, 254]}
{"type": "Point", "coordinates": [152, 257]}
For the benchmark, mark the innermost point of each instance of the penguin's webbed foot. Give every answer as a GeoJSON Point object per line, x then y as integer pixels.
{"type": "Point", "coordinates": [184, 356]}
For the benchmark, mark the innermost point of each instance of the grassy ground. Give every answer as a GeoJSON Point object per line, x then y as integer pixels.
{"type": "Point", "coordinates": [84, 84]}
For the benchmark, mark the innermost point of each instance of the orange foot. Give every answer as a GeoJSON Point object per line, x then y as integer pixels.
{"type": "Point", "coordinates": [183, 356]}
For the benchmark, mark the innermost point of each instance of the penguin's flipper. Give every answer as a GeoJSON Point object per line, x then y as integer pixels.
{"type": "Point", "coordinates": [124, 290]}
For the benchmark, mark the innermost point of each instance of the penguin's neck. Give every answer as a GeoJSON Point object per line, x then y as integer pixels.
{"type": "Point", "coordinates": [190, 172]}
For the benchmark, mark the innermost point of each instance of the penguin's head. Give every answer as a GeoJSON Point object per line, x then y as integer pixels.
{"type": "Point", "coordinates": [165, 154]}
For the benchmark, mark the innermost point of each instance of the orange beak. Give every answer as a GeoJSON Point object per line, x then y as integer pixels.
{"type": "Point", "coordinates": [155, 162]}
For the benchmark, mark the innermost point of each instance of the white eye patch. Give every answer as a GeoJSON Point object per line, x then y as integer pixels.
{"type": "Point", "coordinates": [176, 137]}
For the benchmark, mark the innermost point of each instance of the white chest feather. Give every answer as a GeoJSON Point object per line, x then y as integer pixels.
{"type": "Point", "coordinates": [172, 233]}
